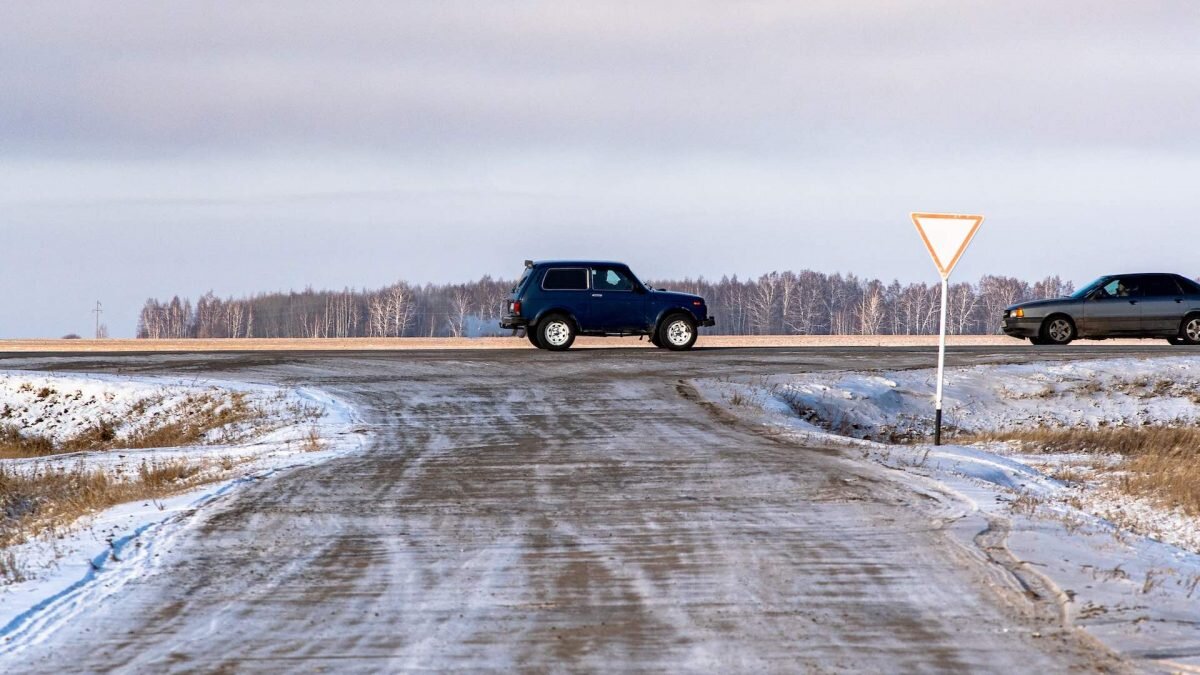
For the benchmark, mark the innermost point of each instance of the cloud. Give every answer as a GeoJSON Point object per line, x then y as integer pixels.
{"type": "Point", "coordinates": [153, 148]}
{"type": "Point", "coordinates": [819, 77]}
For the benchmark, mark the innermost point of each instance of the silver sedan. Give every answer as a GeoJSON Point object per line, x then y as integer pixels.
{"type": "Point", "coordinates": [1123, 305]}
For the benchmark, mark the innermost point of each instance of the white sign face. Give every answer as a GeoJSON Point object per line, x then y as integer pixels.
{"type": "Point", "coordinates": [947, 236]}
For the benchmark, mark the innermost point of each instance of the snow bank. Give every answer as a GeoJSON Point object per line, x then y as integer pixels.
{"type": "Point", "coordinates": [1094, 394]}
{"type": "Point", "coordinates": [92, 559]}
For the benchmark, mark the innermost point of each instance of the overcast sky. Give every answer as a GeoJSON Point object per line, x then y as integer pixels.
{"type": "Point", "coordinates": [151, 148]}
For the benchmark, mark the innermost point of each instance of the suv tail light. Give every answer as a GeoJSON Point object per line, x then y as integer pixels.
{"type": "Point", "coordinates": [515, 306]}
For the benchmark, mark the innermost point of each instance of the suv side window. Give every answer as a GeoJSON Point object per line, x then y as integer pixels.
{"type": "Point", "coordinates": [610, 279]}
{"type": "Point", "coordinates": [1159, 285]}
{"type": "Point", "coordinates": [565, 279]}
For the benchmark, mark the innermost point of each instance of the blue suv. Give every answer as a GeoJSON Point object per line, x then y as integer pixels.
{"type": "Point", "coordinates": [557, 300]}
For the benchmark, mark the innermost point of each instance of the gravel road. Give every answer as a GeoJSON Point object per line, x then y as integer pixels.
{"type": "Point", "coordinates": [522, 510]}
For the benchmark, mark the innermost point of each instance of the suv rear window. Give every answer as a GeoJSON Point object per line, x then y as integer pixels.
{"type": "Point", "coordinates": [572, 279]}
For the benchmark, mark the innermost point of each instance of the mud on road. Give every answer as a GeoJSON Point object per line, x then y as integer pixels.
{"type": "Point", "coordinates": [540, 512]}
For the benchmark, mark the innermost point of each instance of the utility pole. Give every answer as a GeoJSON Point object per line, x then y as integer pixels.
{"type": "Point", "coordinates": [98, 311]}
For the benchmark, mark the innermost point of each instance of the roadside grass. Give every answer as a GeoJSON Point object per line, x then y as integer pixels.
{"type": "Point", "coordinates": [11, 571]}
{"type": "Point", "coordinates": [45, 498]}
{"type": "Point", "coordinates": [193, 421]}
{"type": "Point", "coordinates": [13, 444]}
{"type": "Point", "coordinates": [1160, 463]}
{"type": "Point", "coordinates": [37, 499]}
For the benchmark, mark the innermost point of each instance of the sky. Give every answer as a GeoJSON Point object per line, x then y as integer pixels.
{"type": "Point", "coordinates": [149, 149]}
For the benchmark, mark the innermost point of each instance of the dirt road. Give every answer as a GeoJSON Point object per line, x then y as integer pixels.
{"type": "Point", "coordinates": [521, 510]}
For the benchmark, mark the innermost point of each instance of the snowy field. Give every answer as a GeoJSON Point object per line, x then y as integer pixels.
{"type": "Point", "coordinates": [1125, 567]}
{"type": "Point", "coordinates": [59, 572]}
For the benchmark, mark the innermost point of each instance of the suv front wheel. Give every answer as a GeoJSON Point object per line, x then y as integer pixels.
{"type": "Point", "coordinates": [556, 333]}
{"type": "Point", "coordinates": [677, 332]}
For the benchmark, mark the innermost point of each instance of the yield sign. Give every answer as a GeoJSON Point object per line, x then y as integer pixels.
{"type": "Point", "coordinates": [946, 235]}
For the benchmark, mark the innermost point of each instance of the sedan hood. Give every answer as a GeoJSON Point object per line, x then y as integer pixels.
{"type": "Point", "coordinates": [1035, 304]}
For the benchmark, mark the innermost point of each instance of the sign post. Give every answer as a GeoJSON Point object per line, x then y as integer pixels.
{"type": "Point", "coordinates": [946, 236]}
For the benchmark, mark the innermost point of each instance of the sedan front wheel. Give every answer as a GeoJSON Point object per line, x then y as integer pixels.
{"type": "Point", "coordinates": [1057, 330]}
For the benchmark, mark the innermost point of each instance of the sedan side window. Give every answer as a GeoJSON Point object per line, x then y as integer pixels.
{"type": "Point", "coordinates": [1126, 287]}
{"type": "Point", "coordinates": [1160, 286]}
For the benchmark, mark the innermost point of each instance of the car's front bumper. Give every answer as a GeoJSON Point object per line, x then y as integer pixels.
{"type": "Point", "coordinates": [1022, 328]}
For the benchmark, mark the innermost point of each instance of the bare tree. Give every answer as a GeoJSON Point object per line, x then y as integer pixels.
{"type": "Point", "coordinates": [460, 307]}
{"type": "Point", "coordinates": [807, 302]}
{"type": "Point", "coordinates": [871, 309]}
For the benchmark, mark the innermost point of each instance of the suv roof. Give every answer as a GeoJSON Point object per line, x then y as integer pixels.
{"type": "Point", "coordinates": [577, 263]}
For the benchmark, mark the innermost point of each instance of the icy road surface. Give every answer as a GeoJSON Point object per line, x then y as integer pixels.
{"type": "Point", "coordinates": [536, 511]}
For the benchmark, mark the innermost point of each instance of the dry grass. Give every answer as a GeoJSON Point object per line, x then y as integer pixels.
{"type": "Point", "coordinates": [11, 571]}
{"type": "Point", "coordinates": [15, 444]}
{"type": "Point", "coordinates": [188, 423]}
{"type": "Point", "coordinates": [1162, 463]}
{"type": "Point", "coordinates": [312, 440]}
{"type": "Point", "coordinates": [46, 498]}
{"type": "Point", "coordinates": [36, 499]}
{"type": "Point", "coordinates": [191, 422]}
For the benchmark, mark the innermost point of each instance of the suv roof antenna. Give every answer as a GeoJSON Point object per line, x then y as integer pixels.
{"type": "Point", "coordinates": [529, 264]}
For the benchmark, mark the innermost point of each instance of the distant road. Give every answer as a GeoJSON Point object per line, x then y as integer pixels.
{"type": "Point", "coordinates": [536, 512]}
{"type": "Point", "coordinates": [386, 344]}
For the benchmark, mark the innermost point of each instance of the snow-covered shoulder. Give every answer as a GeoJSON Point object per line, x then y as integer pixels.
{"type": "Point", "coordinates": [157, 450]}
{"type": "Point", "coordinates": [1062, 454]}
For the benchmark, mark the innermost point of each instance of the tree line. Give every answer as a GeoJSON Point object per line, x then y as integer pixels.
{"type": "Point", "coordinates": [779, 303]}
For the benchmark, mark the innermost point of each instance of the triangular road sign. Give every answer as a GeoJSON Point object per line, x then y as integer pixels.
{"type": "Point", "coordinates": [946, 235]}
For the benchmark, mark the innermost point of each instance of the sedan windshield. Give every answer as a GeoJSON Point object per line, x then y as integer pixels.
{"type": "Point", "coordinates": [1087, 290]}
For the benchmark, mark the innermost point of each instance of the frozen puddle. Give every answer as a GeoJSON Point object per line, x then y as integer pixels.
{"type": "Point", "coordinates": [1126, 568]}
{"type": "Point", "coordinates": [56, 575]}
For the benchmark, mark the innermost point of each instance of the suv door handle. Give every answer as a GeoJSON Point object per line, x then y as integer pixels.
{"type": "Point", "coordinates": [1178, 300]}
{"type": "Point", "coordinates": [1133, 302]}
{"type": "Point", "coordinates": [597, 295]}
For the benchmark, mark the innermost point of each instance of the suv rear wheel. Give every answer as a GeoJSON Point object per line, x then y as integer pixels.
{"type": "Point", "coordinates": [677, 332]}
{"type": "Point", "coordinates": [556, 333]}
